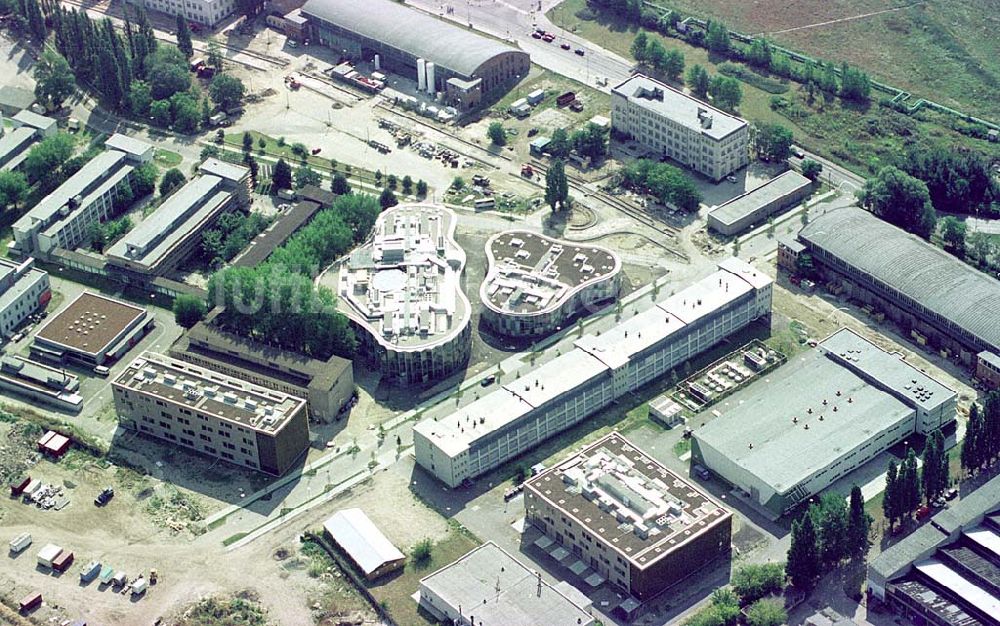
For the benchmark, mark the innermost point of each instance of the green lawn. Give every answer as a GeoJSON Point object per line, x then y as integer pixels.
{"type": "Point", "coordinates": [167, 158]}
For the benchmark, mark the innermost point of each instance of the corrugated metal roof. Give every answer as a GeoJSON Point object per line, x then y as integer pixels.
{"type": "Point", "coordinates": [417, 33]}
{"type": "Point", "coordinates": [929, 276]}
{"type": "Point", "coordinates": [361, 539]}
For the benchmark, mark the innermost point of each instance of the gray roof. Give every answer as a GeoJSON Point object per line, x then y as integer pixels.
{"type": "Point", "coordinates": [24, 282]}
{"type": "Point", "coordinates": [34, 120]}
{"type": "Point", "coordinates": [15, 97]}
{"type": "Point", "coordinates": [129, 145]}
{"type": "Point", "coordinates": [15, 142]}
{"type": "Point", "coordinates": [921, 272]}
{"type": "Point", "coordinates": [498, 589]}
{"type": "Point", "coordinates": [990, 357]}
{"type": "Point", "coordinates": [361, 540]}
{"type": "Point", "coordinates": [229, 171]}
{"type": "Point", "coordinates": [777, 188]}
{"type": "Point", "coordinates": [677, 106]}
{"type": "Point", "coordinates": [92, 173]}
{"type": "Point", "coordinates": [415, 32]}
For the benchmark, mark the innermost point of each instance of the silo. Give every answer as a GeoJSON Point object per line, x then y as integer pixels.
{"type": "Point", "coordinates": [431, 85]}
{"type": "Point", "coordinates": [421, 75]}
{"type": "Point", "coordinates": [378, 63]}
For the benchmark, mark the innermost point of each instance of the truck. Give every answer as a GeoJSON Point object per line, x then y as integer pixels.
{"type": "Point", "coordinates": [90, 571]}
{"type": "Point", "coordinates": [565, 99]}
{"type": "Point", "coordinates": [19, 543]}
{"type": "Point", "coordinates": [30, 601]}
{"type": "Point", "coordinates": [286, 194]}
{"type": "Point", "coordinates": [48, 554]}
{"type": "Point", "coordinates": [62, 562]}
{"type": "Point", "coordinates": [217, 119]}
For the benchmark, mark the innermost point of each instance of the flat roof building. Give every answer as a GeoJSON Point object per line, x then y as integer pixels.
{"type": "Point", "coordinates": [311, 200]}
{"type": "Point", "coordinates": [536, 283]}
{"type": "Point", "coordinates": [489, 587]}
{"type": "Point", "coordinates": [14, 99]}
{"type": "Point", "coordinates": [211, 413]}
{"type": "Point", "coordinates": [407, 40]}
{"type": "Point", "coordinates": [676, 125]}
{"type": "Point", "coordinates": [24, 289]}
{"type": "Point", "coordinates": [164, 239]}
{"type": "Point", "coordinates": [92, 330]}
{"type": "Point", "coordinates": [364, 543]}
{"type": "Point", "coordinates": [947, 572]}
{"type": "Point", "coordinates": [46, 126]}
{"type": "Point", "coordinates": [14, 147]}
{"type": "Point", "coordinates": [561, 392]}
{"type": "Point", "coordinates": [755, 206]}
{"type": "Point", "coordinates": [402, 290]}
{"type": "Point", "coordinates": [327, 386]}
{"type": "Point", "coordinates": [627, 518]}
{"type": "Point", "coordinates": [63, 218]}
{"type": "Point", "coordinates": [53, 387]}
{"type": "Point", "coordinates": [785, 438]}
{"type": "Point", "coordinates": [935, 297]}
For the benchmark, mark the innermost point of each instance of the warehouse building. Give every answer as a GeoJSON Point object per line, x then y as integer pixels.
{"type": "Point", "coordinates": [63, 218]}
{"type": "Point", "coordinates": [210, 413]}
{"type": "Point", "coordinates": [311, 200]}
{"type": "Point", "coordinates": [675, 125]}
{"type": "Point", "coordinates": [207, 12]}
{"type": "Point", "coordinates": [947, 572]}
{"type": "Point", "coordinates": [24, 289]}
{"type": "Point", "coordinates": [933, 296]}
{"type": "Point", "coordinates": [489, 587]}
{"type": "Point", "coordinates": [443, 57]}
{"type": "Point", "coordinates": [627, 518]}
{"type": "Point", "coordinates": [163, 240]}
{"type": "Point", "coordinates": [327, 386]}
{"type": "Point", "coordinates": [786, 437]}
{"type": "Point", "coordinates": [52, 387]}
{"type": "Point", "coordinates": [91, 331]}
{"type": "Point", "coordinates": [755, 206]}
{"type": "Point", "coordinates": [402, 291]}
{"type": "Point", "coordinates": [534, 284]}
{"type": "Point", "coordinates": [519, 415]}
{"type": "Point", "coordinates": [361, 540]}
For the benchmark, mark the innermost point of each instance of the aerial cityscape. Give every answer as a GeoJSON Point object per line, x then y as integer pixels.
{"type": "Point", "coordinates": [500, 313]}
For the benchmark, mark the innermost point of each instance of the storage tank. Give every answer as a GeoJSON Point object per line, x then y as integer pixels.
{"type": "Point", "coordinates": [431, 85]}
{"type": "Point", "coordinates": [378, 63]}
{"type": "Point", "coordinates": [421, 75]}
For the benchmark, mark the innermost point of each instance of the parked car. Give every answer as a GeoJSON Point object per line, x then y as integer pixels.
{"type": "Point", "coordinates": [565, 46]}
{"type": "Point", "coordinates": [536, 35]}
{"type": "Point", "coordinates": [731, 179]}
{"type": "Point", "coordinates": [104, 497]}
{"type": "Point", "coordinates": [489, 380]}
{"type": "Point", "coordinates": [548, 37]}
{"type": "Point", "coordinates": [102, 370]}
{"type": "Point", "coordinates": [951, 494]}
{"type": "Point", "coordinates": [579, 52]}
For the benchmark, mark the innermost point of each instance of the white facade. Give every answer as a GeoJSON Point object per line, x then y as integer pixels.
{"type": "Point", "coordinates": [562, 392]}
{"type": "Point", "coordinates": [208, 12]}
{"type": "Point", "coordinates": [678, 126]}
{"type": "Point", "coordinates": [23, 289]}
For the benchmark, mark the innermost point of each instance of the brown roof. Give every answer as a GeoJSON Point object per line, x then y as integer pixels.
{"type": "Point", "coordinates": [90, 323]}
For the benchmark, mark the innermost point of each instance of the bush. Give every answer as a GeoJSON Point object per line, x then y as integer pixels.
{"type": "Point", "coordinates": [421, 552]}
{"type": "Point", "coordinates": [754, 581]}
{"type": "Point", "coordinates": [769, 612]}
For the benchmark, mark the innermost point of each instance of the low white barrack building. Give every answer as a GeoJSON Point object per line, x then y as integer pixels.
{"type": "Point", "coordinates": [755, 206]}
{"type": "Point", "coordinates": [364, 543]}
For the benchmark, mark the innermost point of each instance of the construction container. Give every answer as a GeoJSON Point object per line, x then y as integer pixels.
{"type": "Point", "coordinates": [17, 487]}
{"type": "Point", "coordinates": [107, 573]}
{"type": "Point", "coordinates": [139, 586]}
{"type": "Point", "coordinates": [48, 554]}
{"type": "Point", "coordinates": [119, 579]}
{"type": "Point", "coordinates": [30, 601]}
{"type": "Point", "coordinates": [536, 96]}
{"type": "Point", "coordinates": [19, 543]}
{"type": "Point", "coordinates": [90, 571]}
{"type": "Point", "coordinates": [34, 485]}
{"type": "Point", "coordinates": [62, 562]}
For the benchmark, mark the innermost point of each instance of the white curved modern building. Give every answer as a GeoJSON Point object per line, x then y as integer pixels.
{"type": "Point", "coordinates": [402, 291]}
{"type": "Point", "coordinates": [536, 283]}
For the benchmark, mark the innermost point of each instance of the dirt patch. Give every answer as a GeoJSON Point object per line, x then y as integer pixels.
{"type": "Point", "coordinates": [242, 609]}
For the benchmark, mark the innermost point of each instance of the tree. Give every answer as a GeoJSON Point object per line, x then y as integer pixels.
{"type": "Point", "coordinates": [757, 580]}
{"type": "Point", "coordinates": [698, 81]}
{"type": "Point", "coordinates": [890, 498]}
{"type": "Point", "coordinates": [900, 199]}
{"type": "Point", "coordinates": [139, 98]}
{"type": "Point", "coordinates": [184, 37]}
{"type": "Point", "coordinates": [281, 175]}
{"type": "Point", "coordinates": [421, 552]}
{"type": "Point", "coordinates": [803, 567]}
{"type": "Point", "coordinates": [13, 188]}
{"type": "Point", "coordinates": [830, 521]}
{"type": "Point", "coordinates": [959, 181]}
{"type": "Point", "coordinates": [759, 54]}
{"type": "Point", "coordinates": [421, 188]}
{"type": "Point", "coordinates": [387, 199]}
{"type": "Point", "coordinates": [559, 145]}
{"type": "Point", "coordinates": [557, 186]}
{"type": "Point", "coordinates": [717, 38]}
{"type": "Point", "coordinates": [172, 179]}
{"type": "Point", "coordinates": [934, 471]}
{"type": "Point", "coordinates": [854, 84]}
{"type": "Point", "coordinates": [168, 73]}
{"type": "Point", "coordinates": [858, 525]}
{"type": "Point", "coordinates": [458, 183]}
{"type": "Point", "coordinates": [54, 81]}
{"type": "Point", "coordinates": [909, 484]}
{"type": "Point", "coordinates": [186, 113]}
{"type": "Point", "coordinates": [828, 78]}
{"type": "Point", "coordinates": [725, 92]}
{"type": "Point", "coordinates": [655, 53]}
{"type": "Point", "coordinates": [973, 453]}
{"type": "Point", "coordinates": [46, 156]}
{"type": "Point", "coordinates": [639, 45]}
{"type": "Point", "coordinates": [159, 112]}
{"type": "Point", "coordinates": [144, 179]}
{"type": "Point", "coordinates": [32, 11]}
{"type": "Point", "coordinates": [391, 182]}
{"type": "Point", "coordinates": [953, 234]}
{"type": "Point", "coordinates": [496, 134]}
{"type": "Point", "coordinates": [188, 310]}
{"type": "Point", "coordinates": [339, 185]}
{"type": "Point", "coordinates": [767, 612]}
{"type": "Point", "coordinates": [247, 141]}
{"type": "Point", "coordinates": [672, 65]}
{"type": "Point", "coordinates": [811, 169]}
{"type": "Point", "coordinates": [214, 55]}
{"type": "Point", "coordinates": [590, 141]}
{"type": "Point", "coordinates": [226, 91]}
{"type": "Point", "coordinates": [772, 141]}
{"type": "Point", "coordinates": [407, 184]}
{"type": "Point", "coordinates": [305, 175]}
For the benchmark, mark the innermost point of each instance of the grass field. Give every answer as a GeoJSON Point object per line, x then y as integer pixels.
{"type": "Point", "coordinates": [947, 51]}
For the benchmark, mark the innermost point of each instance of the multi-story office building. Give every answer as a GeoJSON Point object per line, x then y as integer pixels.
{"type": "Point", "coordinates": [207, 12]}
{"type": "Point", "coordinates": [24, 289]}
{"type": "Point", "coordinates": [814, 420]}
{"type": "Point", "coordinates": [327, 385]}
{"type": "Point", "coordinates": [572, 386]}
{"type": "Point", "coordinates": [536, 283]}
{"type": "Point", "coordinates": [92, 330]}
{"type": "Point", "coordinates": [166, 238]}
{"type": "Point", "coordinates": [402, 291]}
{"type": "Point", "coordinates": [627, 518]}
{"type": "Point", "coordinates": [675, 125]}
{"type": "Point", "coordinates": [63, 218]}
{"type": "Point", "coordinates": [210, 413]}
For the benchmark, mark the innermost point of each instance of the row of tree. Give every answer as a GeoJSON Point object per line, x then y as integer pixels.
{"type": "Point", "coordinates": [649, 51]}
{"type": "Point", "coordinates": [903, 492]}
{"type": "Point", "coordinates": [666, 182]}
{"type": "Point", "coordinates": [828, 532]}
{"type": "Point", "coordinates": [981, 446]}
{"type": "Point", "coordinates": [233, 231]}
